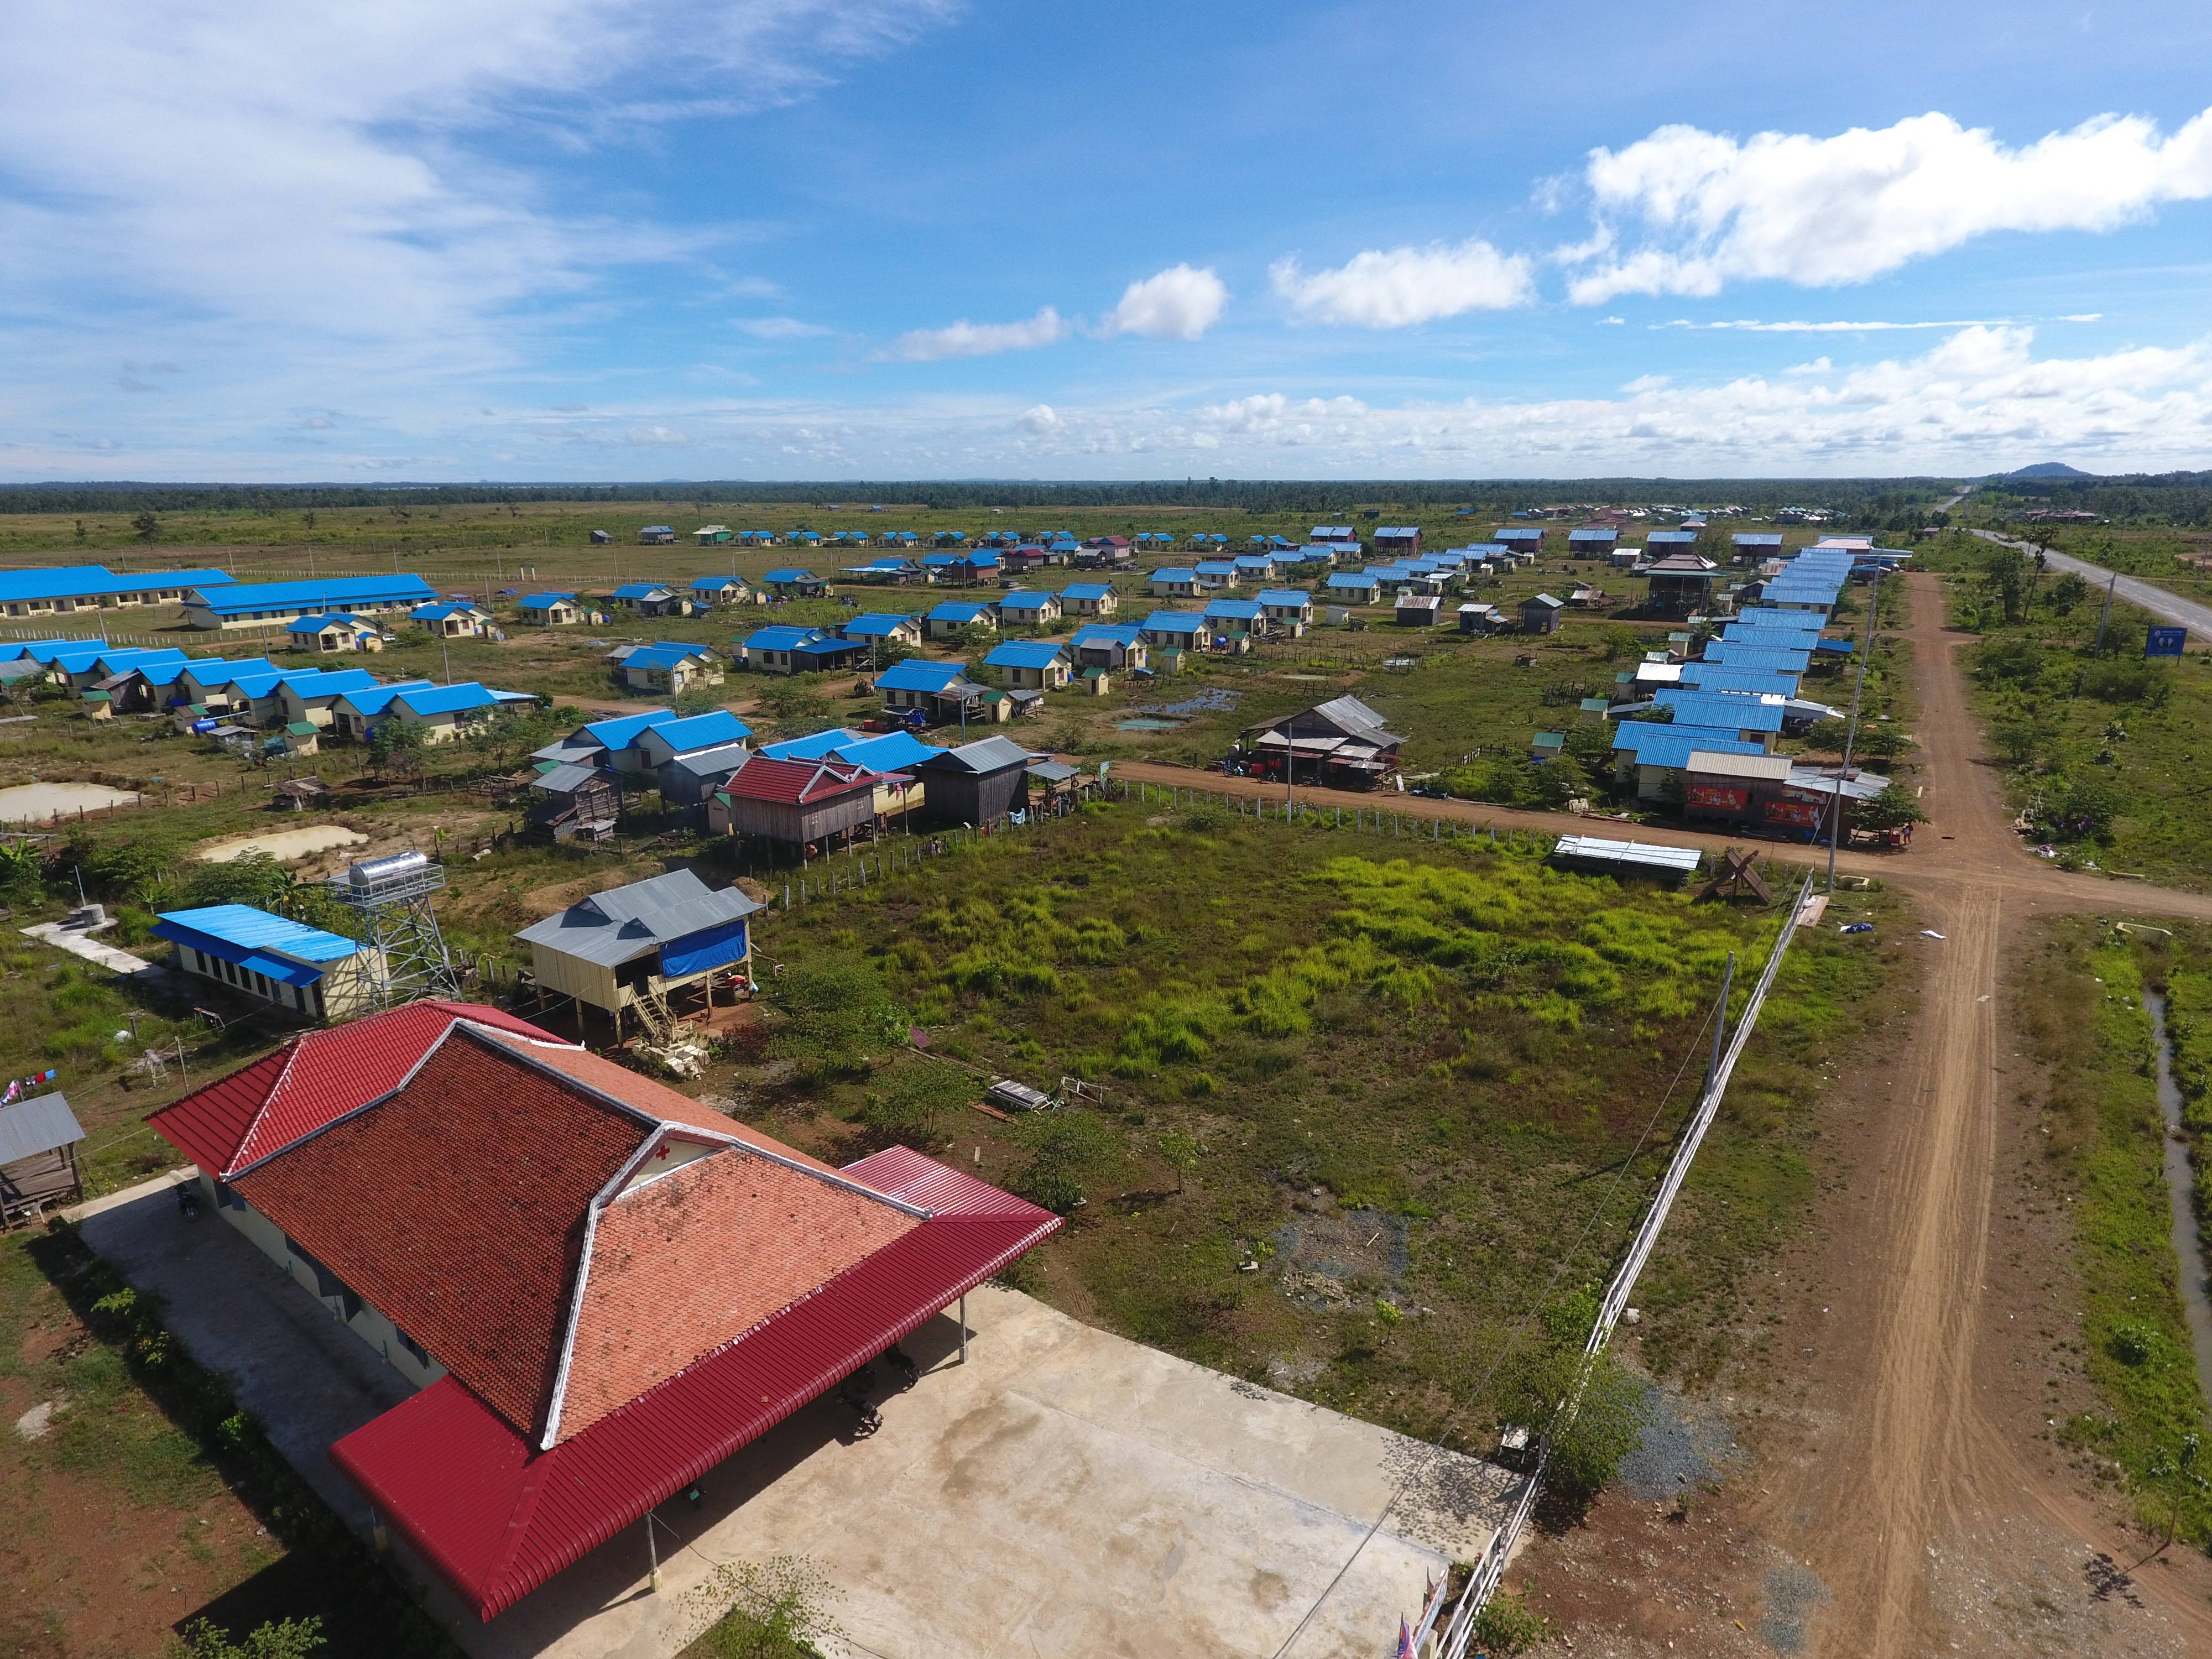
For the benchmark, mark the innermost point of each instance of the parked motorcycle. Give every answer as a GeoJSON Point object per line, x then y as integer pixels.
{"type": "Point", "coordinates": [188, 1199]}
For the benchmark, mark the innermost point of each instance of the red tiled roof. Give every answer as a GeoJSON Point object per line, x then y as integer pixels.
{"type": "Point", "coordinates": [653, 1300]}
{"type": "Point", "coordinates": [646, 1095]}
{"type": "Point", "coordinates": [794, 783]}
{"type": "Point", "coordinates": [456, 1208]}
{"type": "Point", "coordinates": [311, 1080]}
{"type": "Point", "coordinates": [495, 1522]}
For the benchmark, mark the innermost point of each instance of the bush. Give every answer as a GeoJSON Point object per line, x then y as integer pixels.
{"type": "Point", "coordinates": [286, 1639]}
{"type": "Point", "coordinates": [1070, 1151]}
{"type": "Point", "coordinates": [1507, 1625]}
{"type": "Point", "coordinates": [2127, 682]}
{"type": "Point", "coordinates": [2014, 661]}
{"type": "Point", "coordinates": [918, 1098]}
{"type": "Point", "coordinates": [838, 1016]}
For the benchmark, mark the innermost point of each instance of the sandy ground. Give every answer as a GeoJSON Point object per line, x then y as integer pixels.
{"type": "Point", "coordinates": [34, 803]}
{"type": "Point", "coordinates": [283, 845]}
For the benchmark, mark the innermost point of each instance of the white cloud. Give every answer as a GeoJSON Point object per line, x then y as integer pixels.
{"type": "Point", "coordinates": [1398, 286]}
{"type": "Point", "coordinates": [1178, 303]}
{"type": "Point", "coordinates": [1820, 212]}
{"type": "Point", "coordinates": [778, 328]}
{"type": "Point", "coordinates": [186, 156]}
{"type": "Point", "coordinates": [967, 339]}
{"type": "Point", "coordinates": [1040, 417]}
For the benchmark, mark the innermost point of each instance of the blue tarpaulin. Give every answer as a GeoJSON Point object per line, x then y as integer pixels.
{"type": "Point", "coordinates": [711, 947]}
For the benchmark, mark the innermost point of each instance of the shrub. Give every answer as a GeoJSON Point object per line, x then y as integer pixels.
{"type": "Point", "coordinates": [920, 1096]}
{"type": "Point", "coordinates": [1507, 1625]}
{"type": "Point", "coordinates": [838, 1015]}
{"type": "Point", "coordinates": [1070, 1151]}
{"type": "Point", "coordinates": [772, 1610]}
{"type": "Point", "coordinates": [286, 1639]}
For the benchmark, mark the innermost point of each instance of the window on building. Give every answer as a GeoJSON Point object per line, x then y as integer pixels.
{"type": "Point", "coordinates": [415, 1350]}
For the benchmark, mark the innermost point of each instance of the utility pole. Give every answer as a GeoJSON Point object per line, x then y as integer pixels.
{"type": "Point", "coordinates": [2107, 615]}
{"type": "Point", "coordinates": [1852, 732]}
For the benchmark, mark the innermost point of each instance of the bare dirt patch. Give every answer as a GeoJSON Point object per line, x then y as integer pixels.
{"type": "Point", "coordinates": [283, 845]}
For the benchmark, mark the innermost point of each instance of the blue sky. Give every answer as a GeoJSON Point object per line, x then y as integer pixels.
{"type": "Point", "coordinates": [570, 239]}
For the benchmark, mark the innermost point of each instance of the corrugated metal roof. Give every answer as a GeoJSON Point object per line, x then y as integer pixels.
{"type": "Point", "coordinates": [813, 747]}
{"type": "Point", "coordinates": [894, 751]}
{"type": "Point", "coordinates": [1746, 712]}
{"type": "Point", "coordinates": [70, 581]}
{"type": "Point", "coordinates": [984, 755]}
{"type": "Point", "coordinates": [874, 625]}
{"type": "Point", "coordinates": [248, 928]}
{"type": "Point", "coordinates": [1769, 768]}
{"type": "Point", "coordinates": [782, 637]}
{"type": "Point", "coordinates": [916, 674]}
{"type": "Point", "coordinates": [235, 598]}
{"type": "Point", "coordinates": [44, 1123]}
{"type": "Point", "coordinates": [797, 782]}
{"type": "Point", "coordinates": [1025, 654]}
{"type": "Point", "coordinates": [612, 927]}
{"type": "Point", "coordinates": [1599, 850]}
{"type": "Point", "coordinates": [711, 730]}
{"type": "Point", "coordinates": [1023, 599]}
{"type": "Point", "coordinates": [495, 1522]}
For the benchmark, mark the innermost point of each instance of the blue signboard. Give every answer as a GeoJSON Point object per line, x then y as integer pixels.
{"type": "Point", "coordinates": [2165, 641]}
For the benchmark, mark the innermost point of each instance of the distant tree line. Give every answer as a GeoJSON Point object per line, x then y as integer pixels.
{"type": "Point", "coordinates": [1875, 500]}
{"type": "Point", "coordinates": [2181, 499]}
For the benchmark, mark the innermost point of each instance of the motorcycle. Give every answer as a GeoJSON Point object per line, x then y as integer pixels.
{"type": "Point", "coordinates": [188, 1200]}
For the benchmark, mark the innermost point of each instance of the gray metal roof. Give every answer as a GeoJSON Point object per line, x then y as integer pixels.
{"type": "Point", "coordinates": [984, 755]}
{"type": "Point", "coordinates": [1598, 849]}
{"type": "Point", "coordinates": [567, 779]}
{"type": "Point", "coordinates": [1052, 771]}
{"type": "Point", "coordinates": [610, 928]}
{"type": "Point", "coordinates": [712, 762]}
{"type": "Point", "coordinates": [43, 1123]}
{"type": "Point", "coordinates": [568, 749]}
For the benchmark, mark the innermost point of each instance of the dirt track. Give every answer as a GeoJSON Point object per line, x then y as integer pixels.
{"type": "Point", "coordinates": [1906, 1476]}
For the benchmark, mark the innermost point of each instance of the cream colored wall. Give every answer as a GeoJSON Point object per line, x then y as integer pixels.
{"type": "Point", "coordinates": [370, 1324]}
{"type": "Point", "coordinates": [587, 981]}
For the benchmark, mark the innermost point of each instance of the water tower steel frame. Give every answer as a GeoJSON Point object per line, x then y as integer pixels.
{"type": "Point", "coordinates": [389, 898]}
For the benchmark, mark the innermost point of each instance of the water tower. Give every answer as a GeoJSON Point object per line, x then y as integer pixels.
{"type": "Point", "coordinates": [390, 898]}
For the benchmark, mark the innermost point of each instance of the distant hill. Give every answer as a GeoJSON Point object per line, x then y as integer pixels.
{"type": "Point", "coordinates": [2048, 469]}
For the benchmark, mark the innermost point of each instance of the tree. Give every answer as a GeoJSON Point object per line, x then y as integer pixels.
{"type": "Point", "coordinates": [1180, 1149]}
{"type": "Point", "coordinates": [284, 1638]}
{"type": "Point", "coordinates": [1893, 809]}
{"type": "Point", "coordinates": [1069, 1149]}
{"type": "Point", "coordinates": [148, 527]}
{"type": "Point", "coordinates": [80, 531]}
{"type": "Point", "coordinates": [921, 1095]}
{"type": "Point", "coordinates": [2007, 575]}
{"type": "Point", "coordinates": [2172, 1475]}
{"type": "Point", "coordinates": [394, 744]}
{"type": "Point", "coordinates": [309, 519]}
{"type": "Point", "coordinates": [772, 1610]}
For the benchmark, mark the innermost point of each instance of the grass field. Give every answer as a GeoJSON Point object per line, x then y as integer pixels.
{"type": "Point", "coordinates": [1393, 1077]}
{"type": "Point", "coordinates": [2080, 1010]}
{"type": "Point", "coordinates": [2099, 751]}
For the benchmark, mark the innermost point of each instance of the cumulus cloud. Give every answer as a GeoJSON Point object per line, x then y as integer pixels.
{"type": "Point", "coordinates": [1179, 303]}
{"type": "Point", "coordinates": [1820, 212]}
{"type": "Point", "coordinates": [1040, 417]}
{"type": "Point", "coordinates": [967, 339]}
{"type": "Point", "coordinates": [1398, 286]}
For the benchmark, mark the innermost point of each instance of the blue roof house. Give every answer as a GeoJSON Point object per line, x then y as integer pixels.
{"type": "Point", "coordinates": [1089, 599]}
{"type": "Point", "coordinates": [720, 590]}
{"type": "Point", "coordinates": [1032, 664]}
{"type": "Point", "coordinates": [551, 610]}
{"type": "Point", "coordinates": [937, 691]}
{"type": "Point", "coordinates": [1288, 609]}
{"type": "Point", "coordinates": [1030, 608]}
{"type": "Point", "coordinates": [338, 631]}
{"type": "Point", "coordinates": [442, 713]}
{"type": "Point", "coordinates": [1187, 630]}
{"type": "Point", "coordinates": [657, 745]}
{"type": "Point", "coordinates": [876, 628]}
{"type": "Point", "coordinates": [228, 605]}
{"type": "Point", "coordinates": [946, 620]}
{"type": "Point", "coordinates": [1215, 573]}
{"type": "Point", "coordinates": [668, 668]}
{"type": "Point", "coordinates": [273, 960]}
{"type": "Point", "coordinates": [452, 619]}
{"type": "Point", "coordinates": [789, 650]}
{"type": "Point", "coordinates": [795, 584]}
{"type": "Point", "coordinates": [651, 599]}
{"type": "Point", "coordinates": [1233, 616]}
{"type": "Point", "coordinates": [1353, 586]}
{"type": "Point", "coordinates": [1173, 584]}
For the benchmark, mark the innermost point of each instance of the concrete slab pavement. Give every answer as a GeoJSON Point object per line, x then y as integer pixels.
{"type": "Point", "coordinates": [1064, 1492]}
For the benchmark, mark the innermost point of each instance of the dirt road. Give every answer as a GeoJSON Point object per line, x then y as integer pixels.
{"type": "Point", "coordinates": [1903, 1474]}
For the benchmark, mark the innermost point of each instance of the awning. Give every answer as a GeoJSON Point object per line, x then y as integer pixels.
{"type": "Point", "coordinates": [496, 1519]}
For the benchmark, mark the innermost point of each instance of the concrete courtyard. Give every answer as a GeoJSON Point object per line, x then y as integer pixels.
{"type": "Point", "coordinates": [1064, 1492]}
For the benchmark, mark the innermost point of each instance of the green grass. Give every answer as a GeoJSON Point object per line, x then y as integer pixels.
{"type": "Point", "coordinates": [2100, 752]}
{"type": "Point", "coordinates": [2080, 1010]}
{"type": "Point", "coordinates": [1456, 1047]}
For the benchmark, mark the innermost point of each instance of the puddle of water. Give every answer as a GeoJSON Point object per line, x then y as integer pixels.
{"type": "Point", "coordinates": [30, 803]}
{"type": "Point", "coordinates": [2188, 1244]}
{"type": "Point", "coordinates": [1206, 702]}
{"type": "Point", "coordinates": [1141, 725]}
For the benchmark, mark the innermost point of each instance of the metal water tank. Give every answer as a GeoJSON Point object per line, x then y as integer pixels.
{"type": "Point", "coordinates": [372, 872]}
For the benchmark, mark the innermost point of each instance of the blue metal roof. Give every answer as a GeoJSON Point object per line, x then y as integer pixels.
{"type": "Point", "coordinates": [1235, 610]}
{"type": "Point", "coordinates": [439, 612]}
{"type": "Point", "coordinates": [1506, 535]}
{"type": "Point", "coordinates": [780, 637]}
{"type": "Point", "coordinates": [329, 683]}
{"type": "Point", "coordinates": [1086, 591]}
{"type": "Point", "coordinates": [641, 590]}
{"type": "Point", "coordinates": [959, 611]}
{"type": "Point", "coordinates": [1185, 577]}
{"type": "Point", "coordinates": [818, 746]}
{"type": "Point", "coordinates": [1718, 676]}
{"type": "Point", "coordinates": [874, 625]}
{"type": "Point", "coordinates": [545, 601]}
{"type": "Point", "coordinates": [244, 928]}
{"type": "Point", "coordinates": [916, 675]}
{"type": "Point", "coordinates": [618, 733]}
{"type": "Point", "coordinates": [663, 656]}
{"type": "Point", "coordinates": [241, 598]}
{"type": "Point", "coordinates": [1176, 622]}
{"type": "Point", "coordinates": [1025, 654]}
{"type": "Point", "coordinates": [1120, 633]}
{"type": "Point", "coordinates": [1738, 655]}
{"type": "Point", "coordinates": [1671, 539]}
{"type": "Point", "coordinates": [714, 584]}
{"type": "Point", "coordinates": [328, 620]}
{"type": "Point", "coordinates": [447, 699]}
{"type": "Point", "coordinates": [70, 581]}
{"type": "Point", "coordinates": [1280, 598]}
{"type": "Point", "coordinates": [1593, 535]}
{"type": "Point", "coordinates": [894, 751]}
{"type": "Point", "coordinates": [216, 671]}
{"type": "Point", "coordinates": [708, 730]}
{"type": "Point", "coordinates": [1217, 566]}
{"type": "Point", "coordinates": [1733, 709]}
{"type": "Point", "coordinates": [42, 650]}
{"type": "Point", "coordinates": [790, 577]}
{"type": "Point", "coordinates": [1026, 600]}
{"type": "Point", "coordinates": [1654, 744]}
{"type": "Point", "coordinates": [1351, 579]}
